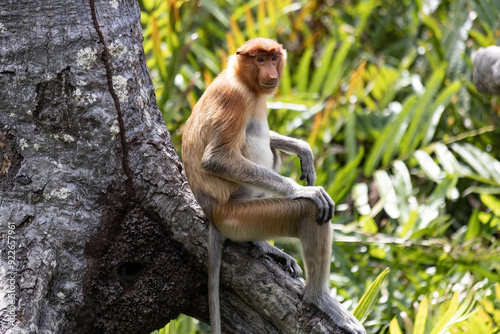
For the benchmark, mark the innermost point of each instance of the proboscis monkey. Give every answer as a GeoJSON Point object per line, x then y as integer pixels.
{"type": "Point", "coordinates": [232, 161]}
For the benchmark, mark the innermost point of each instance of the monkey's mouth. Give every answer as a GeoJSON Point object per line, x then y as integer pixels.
{"type": "Point", "coordinates": [269, 84]}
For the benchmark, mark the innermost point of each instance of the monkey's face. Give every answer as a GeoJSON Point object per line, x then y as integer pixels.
{"type": "Point", "coordinates": [260, 63]}
{"type": "Point", "coordinates": [268, 69]}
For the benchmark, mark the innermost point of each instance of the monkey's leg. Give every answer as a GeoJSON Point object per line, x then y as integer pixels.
{"type": "Point", "coordinates": [267, 218]}
{"type": "Point", "coordinates": [263, 218]}
{"type": "Point", "coordinates": [316, 243]}
{"type": "Point", "coordinates": [215, 247]}
{"type": "Point", "coordinates": [253, 220]}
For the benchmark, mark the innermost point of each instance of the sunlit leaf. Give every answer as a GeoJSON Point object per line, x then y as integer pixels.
{"type": "Point", "coordinates": [421, 318]}
{"type": "Point", "coordinates": [236, 31]}
{"type": "Point", "coordinates": [360, 196]}
{"type": "Point", "coordinates": [261, 19]}
{"type": "Point", "coordinates": [491, 202]}
{"type": "Point", "coordinates": [452, 307]}
{"type": "Point", "coordinates": [369, 298]}
{"type": "Point", "coordinates": [470, 158]}
{"type": "Point", "coordinates": [321, 71]}
{"type": "Point", "coordinates": [389, 138]}
{"type": "Point", "coordinates": [345, 177]}
{"type": "Point", "coordinates": [368, 225]}
{"type": "Point", "coordinates": [387, 193]}
{"type": "Point", "coordinates": [474, 226]}
{"type": "Point", "coordinates": [302, 72]}
{"type": "Point", "coordinates": [437, 109]}
{"type": "Point", "coordinates": [250, 24]}
{"type": "Point", "coordinates": [394, 327]}
{"type": "Point", "coordinates": [337, 68]}
{"type": "Point", "coordinates": [448, 161]}
{"type": "Point", "coordinates": [429, 167]}
{"type": "Point", "coordinates": [350, 137]}
{"type": "Point", "coordinates": [410, 140]}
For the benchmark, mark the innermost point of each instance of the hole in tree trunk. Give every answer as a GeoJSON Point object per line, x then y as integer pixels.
{"type": "Point", "coordinates": [128, 271]}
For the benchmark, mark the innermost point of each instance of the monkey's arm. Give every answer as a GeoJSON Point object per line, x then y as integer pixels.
{"type": "Point", "coordinates": [233, 166]}
{"type": "Point", "coordinates": [299, 148]}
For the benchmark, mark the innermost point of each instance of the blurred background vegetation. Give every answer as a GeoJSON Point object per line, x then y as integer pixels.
{"type": "Point", "coordinates": [404, 144]}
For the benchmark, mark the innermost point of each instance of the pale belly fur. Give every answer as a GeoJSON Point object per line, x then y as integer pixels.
{"type": "Point", "coordinates": [259, 149]}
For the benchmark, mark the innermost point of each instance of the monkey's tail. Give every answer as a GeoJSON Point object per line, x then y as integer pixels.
{"type": "Point", "coordinates": [215, 246]}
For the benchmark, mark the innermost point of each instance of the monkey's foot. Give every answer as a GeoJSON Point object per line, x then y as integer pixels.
{"type": "Point", "coordinates": [336, 312]}
{"type": "Point", "coordinates": [264, 248]}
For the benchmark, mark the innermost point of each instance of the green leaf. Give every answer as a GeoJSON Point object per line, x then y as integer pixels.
{"type": "Point", "coordinates": [429, 167]}
{"type": "Point", "coordinates": [302, 73]}
{"type": "Point", "coordinates": [261, 19]}
{"type": "Point", "coordinates": [421, 317]}
{"type": "Point", "coordinates": [337, 68]}
{"type": "Point", "coordinates": [487, 161]}
{"type": "Point", "coordinates": [447, 316]}
{"type": "Point", "coordinates": [394, 327]}
{"type": "Point", "coordinates": [410, 139]}
{"type": "Point", "coordinates": [409, 224]}
{"type": "Point", "coordinates": [217, 12]}
{"type": "Point", "coordinates": [286, 82]}
{"type": "Point", "coordinates": [455, 313]}
{"type": "Point", "coordinates": [369, 298]}
{"type": "Point", "coordinates": [360, 196]}
{"type": "Point", "coordinates": [491, 202]}
{"type": "Point", "coordinates": [387, 193]}
{"type": "Point", "coordinates": [389, 137]}
{"type": "Point", "coordinates": [369, 225]}
{"type": "Point", "coordinates": [429, 128]}
{"type": "Point", "coordinates": [322, 70]}
{"type": "Point", "coordinates": [350, 137]}
{"type": "Point", "coordinates": [449, 162]}
{"type": "Point", "coordinates": [407, 203]}
{"type": "Point", "coordinates": [474, 226]}
{"type": "Point", "coordinates": [430, 210]}
{"type": "Point", "coordinates": [471, 159]}
{"type": "Point", "coordinates": [345, 177]}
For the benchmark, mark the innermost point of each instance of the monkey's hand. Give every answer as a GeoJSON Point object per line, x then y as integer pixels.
{"type": "Point", "coordinates": [264, 248]}
{"type": "Point", "coordinates": [318, 195]}
{"type": "Point", "coordinates": [307, 166]}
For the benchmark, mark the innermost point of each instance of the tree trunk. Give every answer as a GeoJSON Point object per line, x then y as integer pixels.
{"type": "Point", "coordinates": [99, 230]}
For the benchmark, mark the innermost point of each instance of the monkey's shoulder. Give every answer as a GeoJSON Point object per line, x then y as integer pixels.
{"type": "Point", "coordinates": [227, 90]}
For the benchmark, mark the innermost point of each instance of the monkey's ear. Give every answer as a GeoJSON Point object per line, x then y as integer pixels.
{"type": "Point", "coordinates": [241, 53]}
{"type": "Point", "coordinates": [245, 53]}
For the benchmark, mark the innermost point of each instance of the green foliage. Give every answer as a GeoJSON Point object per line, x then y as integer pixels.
{"type": "Point", "coordinates": [405, 145]}
{"type": "Point", "coordinates": [368, 300]}
{"type": "Point", "coordinates": [182, 325]}
{"type": "Point", "coordinates": [453, 316]}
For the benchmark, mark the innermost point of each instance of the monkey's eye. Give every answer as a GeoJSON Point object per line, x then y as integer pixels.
{"type": "Point", "coordinates": [274, 58]}
{"type": "Point", "coordinates": [260, 60]}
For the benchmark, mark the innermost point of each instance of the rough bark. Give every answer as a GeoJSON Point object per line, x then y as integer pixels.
{"type": "Point", "coordinates": [99, 230]}
{"type": "Point", "coordinates": [486, 72]}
